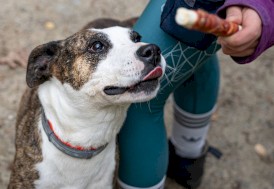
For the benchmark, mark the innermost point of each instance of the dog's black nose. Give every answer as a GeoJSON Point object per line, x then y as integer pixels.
{"type": "Point", "coordinates": [149, 54]}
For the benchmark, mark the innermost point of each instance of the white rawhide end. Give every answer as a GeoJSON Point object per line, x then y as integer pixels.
{"type": "Point", "coordinates": [186, 17]}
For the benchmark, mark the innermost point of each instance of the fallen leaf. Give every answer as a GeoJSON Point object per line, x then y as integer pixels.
{"type": "Point", "coordinates": [49, 25]}
{"type": "Point", "coordinates": [261, 150]}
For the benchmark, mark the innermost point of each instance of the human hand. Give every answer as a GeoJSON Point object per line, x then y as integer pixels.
{"type": "Point", "coordinates": [244, 42]}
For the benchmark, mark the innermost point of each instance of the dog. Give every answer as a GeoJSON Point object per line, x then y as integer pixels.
{"type": "Point", "coordinates": [79, 91]}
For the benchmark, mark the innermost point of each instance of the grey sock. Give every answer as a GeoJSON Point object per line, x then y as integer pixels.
{"type": "Point", "coordinates": [189, 132]}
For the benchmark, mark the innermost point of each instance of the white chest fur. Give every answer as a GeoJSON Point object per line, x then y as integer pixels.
{"type": "Point", "coordinates": [58, 170]}
{"type": "Point", "coordinates": [77, 120]}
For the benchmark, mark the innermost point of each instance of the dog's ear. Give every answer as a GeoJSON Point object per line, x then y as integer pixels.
{"type": "Point", "coordinates": [40, 61]}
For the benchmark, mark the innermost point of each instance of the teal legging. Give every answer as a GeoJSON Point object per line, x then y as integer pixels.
{"type": "Point", "coordinates": [143, 139]}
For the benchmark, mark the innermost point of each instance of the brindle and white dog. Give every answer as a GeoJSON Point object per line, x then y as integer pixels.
{"type": "Point", "coordinates": [80, 90]}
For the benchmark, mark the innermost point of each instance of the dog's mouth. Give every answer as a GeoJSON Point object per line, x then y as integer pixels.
{"type": "Point", "coordinates": [147, 84]}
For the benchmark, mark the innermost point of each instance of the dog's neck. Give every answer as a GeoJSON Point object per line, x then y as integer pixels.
{"type": "Point", "coordinates": [77, 119]}
{"type": "Point", "coordinates": [66, 147]}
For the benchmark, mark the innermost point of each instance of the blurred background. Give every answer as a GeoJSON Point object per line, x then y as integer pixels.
{"type": "Point", "coordinates": [243, 121]}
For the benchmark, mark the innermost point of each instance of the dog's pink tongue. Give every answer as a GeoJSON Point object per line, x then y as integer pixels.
{"type": "Point", "coordinates": [155, 73]}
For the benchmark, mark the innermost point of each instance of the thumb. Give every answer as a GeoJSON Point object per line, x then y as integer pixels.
{"type": "Point", "coordinates": [234, 14]}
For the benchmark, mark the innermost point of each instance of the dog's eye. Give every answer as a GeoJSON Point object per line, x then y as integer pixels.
{"type": "Point", "coordinates": [136, 37]}
{"type": "Point", "coordinates": [97, 46]}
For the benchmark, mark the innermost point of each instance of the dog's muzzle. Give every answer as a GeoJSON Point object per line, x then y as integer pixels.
{"type": "Point", "coordinates": [150, 55]}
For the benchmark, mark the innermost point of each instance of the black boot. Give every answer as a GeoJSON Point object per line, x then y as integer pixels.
{"type": "Point", "coordinates": [186, 171]}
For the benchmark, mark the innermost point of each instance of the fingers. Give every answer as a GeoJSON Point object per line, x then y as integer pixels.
{"type": "Point", "coordinates": [241, 51]}
{"type": "Point", "coordinates": [244, 42]}
{"type": "Point", "coordinates": [234, 14]}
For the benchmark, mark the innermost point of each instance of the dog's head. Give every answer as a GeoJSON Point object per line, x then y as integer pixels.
{"type": "Point", "coordinates": [110, 63]}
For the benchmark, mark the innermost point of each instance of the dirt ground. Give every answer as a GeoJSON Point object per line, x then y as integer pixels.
{"type": "Point", "coordinates": [245, 114]}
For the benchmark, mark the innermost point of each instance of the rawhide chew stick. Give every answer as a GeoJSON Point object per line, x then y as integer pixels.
{"type": "Point", "coordinates": [203, 21]}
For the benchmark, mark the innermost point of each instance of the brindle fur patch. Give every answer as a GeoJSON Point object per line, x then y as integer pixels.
{"type": "Point", "coordinates": [28, 142]}
{"type": "Point", "coordinates": [76, 63]}
{"type": "Point", "coordinates": [58, 59]}
{"type": "Point", "coordinates": [81, 71]}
